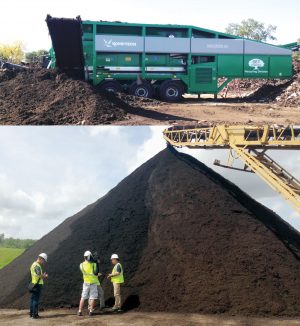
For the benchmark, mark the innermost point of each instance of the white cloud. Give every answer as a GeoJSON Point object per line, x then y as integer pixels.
{"type": "Point", "coordinates": [106, 131]}
{"type": "Point", "coordinates": [148, 149]}
{"type": "Point", "coordinates": [49, 174]}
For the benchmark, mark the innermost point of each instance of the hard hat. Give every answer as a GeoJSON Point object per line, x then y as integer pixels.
{"type": "Point", "coordinates": [114, 256]}
{"type": "Point", "coordinates": [44, 256]}
{"type": "Point", "coordinates": [87, 254]}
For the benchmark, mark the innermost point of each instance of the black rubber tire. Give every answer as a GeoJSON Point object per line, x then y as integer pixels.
{"type": "Point", "coordinates": [171, 91]}
{"type": "Point", "coordinates": [111, 86]}
{"type": "Point", "coordinates": [144, 89]}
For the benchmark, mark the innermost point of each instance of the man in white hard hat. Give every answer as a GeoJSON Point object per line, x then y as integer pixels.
{"type": "Point", "coordinates": [117, 278]}
{"type": "Point", "coordinates": [90, 283]}
{"type": "Point", "coordinates": [37, 282]}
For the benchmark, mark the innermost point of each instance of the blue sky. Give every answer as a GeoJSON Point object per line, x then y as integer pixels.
{"type": "Point", "coordinates": [24, 19]}
{"type": "Point", "coordinates": [50, 173]}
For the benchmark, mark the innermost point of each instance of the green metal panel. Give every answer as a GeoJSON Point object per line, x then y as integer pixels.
{"type": "Point", "coordinates": [203, 78]}
{"type": "Point", "coordinates": [124, 29]}
{"type": "Point", "coordinates": [174, 27]}
{"type": "Point", "coordinates": [122, 59]}
{"type": "Point", "coordinates": [280, 66]}
{"type": "Point", "coordinates": [165, 31]}
{"type": "Point", "coordinates": [87, 29]}
{"type": "Point", "coordinates": [230, 65]}
{"type": "Point", "coordinates": [256, 66]}
{"type": "Point", "coordinates": [88, 53]}
{"type": "Point", "coordinates": [156, 60]}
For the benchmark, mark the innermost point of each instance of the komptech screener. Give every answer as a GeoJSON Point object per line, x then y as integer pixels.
{"type": "Point", "coordinates": [168, 60]}
{"type": "Point", "coordinates": [250, 145]}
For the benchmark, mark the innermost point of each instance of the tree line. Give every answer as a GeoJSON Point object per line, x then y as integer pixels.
{"type": "Point", "coordinates": [15, 243]}
{"type": "Point", "coordinates": [15, 53]}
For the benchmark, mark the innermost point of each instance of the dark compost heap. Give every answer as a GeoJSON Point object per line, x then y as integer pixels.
{"type": "Point", "coordinates": [189, 240]}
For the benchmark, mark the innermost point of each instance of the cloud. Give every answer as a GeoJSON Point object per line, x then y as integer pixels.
{"type": "Point", "coordinates": [152, 146]}
{"type": "Point", "coordinates": [106, 131]}
{"type": "Point", "coordinates": [49, 174]}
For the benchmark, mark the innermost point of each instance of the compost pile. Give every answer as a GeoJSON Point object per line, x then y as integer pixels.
{"type": "Point", "coordinates": [291, 95]}
{"type": "Point", "coordinates": [189, 241]}
{"type": "Point", "coordinates": [40, 96]}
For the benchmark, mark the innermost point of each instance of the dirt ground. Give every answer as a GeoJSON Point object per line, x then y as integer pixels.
{"type": "Point", "coordinates": [66, 317]}
{"type": "Point", "coordinates": [38, 97]}
{"type": "Point", "coordinates": [221, 111]}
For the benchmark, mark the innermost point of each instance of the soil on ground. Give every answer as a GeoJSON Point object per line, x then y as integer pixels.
{"type": "Point", "coordinates": [45, 97]}
{"type": "Point", "coordinates": [38, 96]}
{"type": "Point", "coordinates": [189, 241]}
{"type": "Point", "coordinates": [68, 317]}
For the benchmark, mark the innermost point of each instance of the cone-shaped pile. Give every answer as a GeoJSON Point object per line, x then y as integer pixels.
{"type": "Point", "coordinates": [189, 240]}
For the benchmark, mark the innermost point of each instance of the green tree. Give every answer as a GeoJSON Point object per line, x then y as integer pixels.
{"type": "Point", "coordinates": [35, 56]}
{"type": "Point", "coordinates": [15, 243]}
{"type": "Point", "coordinates": [252, 29]}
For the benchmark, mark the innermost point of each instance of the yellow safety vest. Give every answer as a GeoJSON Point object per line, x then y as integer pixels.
{"type": "Point", "coordinates": [34, 277]}
{"type": "Point", "coordinates": [87, 268]}
{"type": "Point", "coordinates": [118, 278]}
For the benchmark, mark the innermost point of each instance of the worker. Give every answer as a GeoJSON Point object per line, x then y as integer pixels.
{"type": "Point", "coordinates": [95, 258]}
{"type": "Point", "coordinates": [90, 283]}
{"type": "Point", "coordinates": [37, 282]}
{"type": "Point", "coordinates": [117, 278]}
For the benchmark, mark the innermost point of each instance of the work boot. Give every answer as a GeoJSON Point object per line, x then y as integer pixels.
{"type": "Point", "coordinates": [35, 317]}
{"type": "Point", "coordinates": [116, 309]}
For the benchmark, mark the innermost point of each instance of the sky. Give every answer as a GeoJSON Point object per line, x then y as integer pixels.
{"type": "Point", "coordinates": [50, 173]}
{"type": "Point", "coordinates": [25, 19]}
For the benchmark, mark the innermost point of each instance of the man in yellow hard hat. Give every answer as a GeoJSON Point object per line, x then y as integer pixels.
{"type": "Point", "coordinates": [37, 282]}
{"type": "Point", "coordinates": [117, 278]}
{"type": "Point", "coordinates": [90, 283]}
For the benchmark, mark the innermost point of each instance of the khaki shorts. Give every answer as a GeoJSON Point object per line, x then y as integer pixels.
{"type": "Point", "coordinates": [89, 291]}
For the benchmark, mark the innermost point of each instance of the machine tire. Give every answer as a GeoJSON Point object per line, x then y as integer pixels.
{"type": "Point", "coordinates": [171, 91]}
{"type": "Point", "coordinates": [144, 89]}
{"type": "Point", "coordinates": [111, 86]}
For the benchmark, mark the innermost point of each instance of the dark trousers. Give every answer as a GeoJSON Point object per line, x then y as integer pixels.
{"type": "Point", "coordinates": [34, 301]}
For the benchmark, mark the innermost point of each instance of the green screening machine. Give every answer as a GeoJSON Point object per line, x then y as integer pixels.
{"type": "Point", "coordinates": [165, 60]}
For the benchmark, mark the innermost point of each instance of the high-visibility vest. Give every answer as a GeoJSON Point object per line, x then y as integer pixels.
{"type": "Point", "coordinates": [35, 278]}
{"type": "Point", "coordinates": [118, 278]}
{"type": "Point", "coordinates": [87, 268]}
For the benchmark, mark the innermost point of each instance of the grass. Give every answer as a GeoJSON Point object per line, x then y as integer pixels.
{"type": "Point", "coordinates": [7, 255]}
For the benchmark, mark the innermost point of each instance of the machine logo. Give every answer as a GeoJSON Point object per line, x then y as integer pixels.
{"type": "Point", "coordinates": [108, 44]}
{"type": "Point", "coordinates": [111, 44]}
{"type": "Point", "coordinates": [256, 64]}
